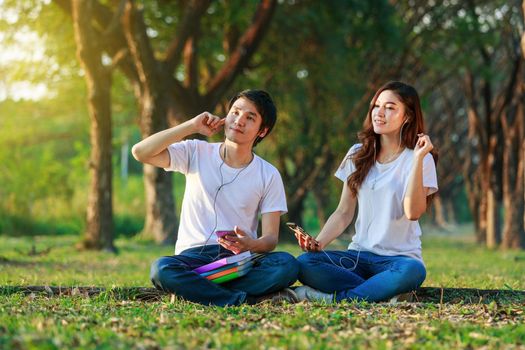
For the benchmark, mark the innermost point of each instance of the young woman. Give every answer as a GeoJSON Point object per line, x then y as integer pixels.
{"type": "Point", "coordinates": [390, 175]}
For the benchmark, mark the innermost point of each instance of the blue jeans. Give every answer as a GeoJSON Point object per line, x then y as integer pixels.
{"type": "Point", "coordinates": [374, 278]}
{"type": "Point", "coordinates": [173, 274]}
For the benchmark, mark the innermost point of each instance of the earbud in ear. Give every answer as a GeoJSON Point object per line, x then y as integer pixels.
{"type": "Point", "coordinates": [259, 137]}
{"type": "Point", "coordinates": [262, 133]}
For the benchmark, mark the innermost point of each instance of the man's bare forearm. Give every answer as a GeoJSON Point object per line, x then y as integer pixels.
{"type": "Point", "coordinates": [264, 244]}
{"type": "Point", "coordinates": [156, 143]}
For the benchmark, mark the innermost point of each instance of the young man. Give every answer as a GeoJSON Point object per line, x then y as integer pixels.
{"type": "Point", "coordinates": [227, 187]}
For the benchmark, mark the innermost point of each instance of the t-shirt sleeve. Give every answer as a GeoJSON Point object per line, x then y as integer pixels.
{"type": "Point", "coordinates": [347, 166]}
{"type": "Point", "coordinates": [429, 174]}
{"type": "Point", "coordinates": [274, 198]}
{"type": "Point", "coordinates": [181, 154]}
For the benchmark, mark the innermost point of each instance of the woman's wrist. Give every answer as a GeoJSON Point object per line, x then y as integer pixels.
{"type": "Point", "coordinates": [418, 160]}
{"type": "Point", "coordinates": [322, 243]}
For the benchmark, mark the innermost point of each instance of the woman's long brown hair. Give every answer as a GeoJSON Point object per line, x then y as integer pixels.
{"type": "Point", "coordinates": [364, 157]}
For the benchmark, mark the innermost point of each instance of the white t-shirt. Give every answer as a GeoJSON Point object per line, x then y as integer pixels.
{"type": "Point", "coordinates": [382, 226]}
{"type": "Point", "coordinates": [256, 189]}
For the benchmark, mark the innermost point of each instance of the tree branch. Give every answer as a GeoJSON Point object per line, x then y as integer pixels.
{"type": "Point", "coordinates": [115, 20]}
{"type": "Point", "coordinates": [473, 114]}
{"type": "Point", "coordinates": [245, 49]}
{"type": "Point", "coordinates": [139, 45]}
{"type": "Point", "coordinates": [191, 64]}
{"type": "Point", "coordinates": [114, 41]}
{"type": "Point", "coordinates": [189, 24]}
{"type": "Point", "coordinates": [507, 94]}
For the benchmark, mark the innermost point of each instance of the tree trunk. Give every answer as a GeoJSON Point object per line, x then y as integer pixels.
{"type": "Point", "coordinates": [473, 188]}
{"type": "Point", "coordinates": [491, 219]}
{"type": "Point", "coordinates": [439, 212]}
{"type": "Point", "coordinates": [450, 212]}
{"type": "Point", "coordinates": [492, 179]}
{"type": "Point", "coordinates": [471, 171]}
{"type": "Point", "coordinates": [482, 211]}
{"type": "Point", "coordinates": [513, 230]}
{"type": "Point", "coordinates": [488, 221]}
{"type": "Point", "coordinates": [522, 130]}
{"type": "Point", "coordinates": [99, 233]}
{"type": "Point", "coordinates": [161, 220]}
{"type": "Point", "coordinates": [513, 174]}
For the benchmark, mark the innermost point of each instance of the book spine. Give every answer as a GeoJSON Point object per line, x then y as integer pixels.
{"type": "Point", "coordinates": [226, 278]}
{"type": "Point", "coordinates": [211, 266]}
{"type": "Point", "coordinates": [222, 273]}
{"type": "Point", "coordinates": [222, 262]}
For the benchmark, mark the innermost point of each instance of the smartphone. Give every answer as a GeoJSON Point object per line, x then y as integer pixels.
{"type": "Point", "coordinates": [299, 230]}
{"type": "Point", "coordinates": [222, 233]}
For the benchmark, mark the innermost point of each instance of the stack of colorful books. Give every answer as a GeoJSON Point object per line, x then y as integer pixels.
{"type": "Point", "coordinates": [228, 268]}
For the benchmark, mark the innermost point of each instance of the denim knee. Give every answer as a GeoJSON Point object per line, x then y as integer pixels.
{"type": "Point", "coordinates": [157, 271]}
{"type": "Point", "coordinates": [305, 259]}
{"type": "Point", "coordinates": [415, 271]}
{"type": "Point", "coordinates": [289, 266]}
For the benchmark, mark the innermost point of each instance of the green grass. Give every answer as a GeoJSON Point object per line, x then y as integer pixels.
{"type": "Point", "coordinates": [108, 322]}
{"type": "Point", "coordinates": [56, 323]}
{"type": "Point", "coordinates": [452, 261]}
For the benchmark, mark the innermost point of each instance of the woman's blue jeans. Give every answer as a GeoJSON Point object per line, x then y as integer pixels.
{"type": "Point", "coordinates": [174, 274]}
{"type": "Point", "coordinates": [374, 278]}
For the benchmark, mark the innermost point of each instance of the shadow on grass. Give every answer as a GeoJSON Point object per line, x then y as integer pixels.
{"type": "Point", "coordinates": [49, 265]}
{"type": "Point", "coordinates": [422, 295]}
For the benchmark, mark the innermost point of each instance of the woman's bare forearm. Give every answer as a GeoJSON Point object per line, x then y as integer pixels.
{"type": "Point", "coordinates": [415, 201]}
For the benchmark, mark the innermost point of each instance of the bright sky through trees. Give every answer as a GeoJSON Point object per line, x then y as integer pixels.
{"type": "Point", "coordinates": [21, 48]}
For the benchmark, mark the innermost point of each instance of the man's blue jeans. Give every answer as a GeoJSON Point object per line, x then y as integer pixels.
{"type": "Point", "coordinates": [173, 274]}
{"type": "Point", "coordinates": [374, 278]}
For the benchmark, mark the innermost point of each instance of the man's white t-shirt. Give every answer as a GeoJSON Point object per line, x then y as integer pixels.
{"type": "Point", "coordinates": [219, 197]}
{"type": "Point", "coordinates": [382, 226]}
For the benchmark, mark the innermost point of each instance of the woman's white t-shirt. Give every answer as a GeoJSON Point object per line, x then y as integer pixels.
{"type": "Point", "coordinates": [382, 226]}
{"type": "Point", "coordinates": [219, 197]}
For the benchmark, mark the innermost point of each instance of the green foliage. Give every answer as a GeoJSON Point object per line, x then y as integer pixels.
{"type": "Point", "coordinates": [318, 59]}
{"type": "Point", "coordinates": [43, 36]}
{"type": "Point", "coordinates": [39, 175]}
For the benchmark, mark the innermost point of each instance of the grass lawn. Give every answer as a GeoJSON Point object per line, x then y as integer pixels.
{"type": "Point", "coordinates": [109, 322]}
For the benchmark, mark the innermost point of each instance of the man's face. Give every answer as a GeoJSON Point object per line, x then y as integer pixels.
{"type": "Point", "coordinates": [243, 122]}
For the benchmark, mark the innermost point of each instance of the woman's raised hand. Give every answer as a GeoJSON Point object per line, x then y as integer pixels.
{"type": "Point", "coordinates": [423, 146]}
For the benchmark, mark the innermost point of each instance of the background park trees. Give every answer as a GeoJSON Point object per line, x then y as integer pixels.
{"type": "Point", "coordinates": [120, 31]}
{"type": "Point", "coordinates": [153, 64]}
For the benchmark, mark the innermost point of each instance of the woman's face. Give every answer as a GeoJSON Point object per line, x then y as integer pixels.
{"type": "Point", "coordinates": [388, 113]}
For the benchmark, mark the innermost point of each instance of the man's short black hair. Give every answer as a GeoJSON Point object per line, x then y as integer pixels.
{"type": "Point", "coordinates": [264, 105]}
